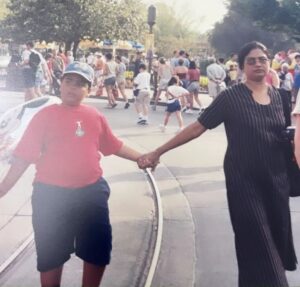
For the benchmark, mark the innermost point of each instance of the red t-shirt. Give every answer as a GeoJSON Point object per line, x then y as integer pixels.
{"type": "Point", "coordinates": [194, 74]}
{"type": "Point", "coordinates": [65, 144]}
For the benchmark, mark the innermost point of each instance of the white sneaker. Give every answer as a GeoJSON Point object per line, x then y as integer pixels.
{"type": "Point", "coordinates": [162, 128]}
{"type": "Point", "coordinates": [179, 130]}
{"type": "Point", "coordinates": [189, 111]}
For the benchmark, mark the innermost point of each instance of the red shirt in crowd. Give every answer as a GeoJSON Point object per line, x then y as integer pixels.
{"type": "Point", "coordinates": [193, 75]}
{"type": "Point", "coordinates": [65, 144]}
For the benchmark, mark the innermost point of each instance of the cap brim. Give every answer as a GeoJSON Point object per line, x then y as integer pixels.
{"type": "Point", "coordinates": [77, 73]}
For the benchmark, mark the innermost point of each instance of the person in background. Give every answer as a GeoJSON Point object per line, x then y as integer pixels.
{"type": "Point", "coordinates": [63, 56]}
{"type": "Point", "coordinates": [216, 77]}
{"type": "Point", "coordinates": [70, 57]}
{"type": "Point", "coordinates": [255, 170]}
{"type": "Point", "coordinates": [286, 82]}
{"type": "Point", "coordinates": [173, 60]}
{"type": "Point", "coordinates": [296, 87]}
{"type": "Point", "coordinates": [181, 71]}
{"type": "Point", "coordinates": [28, 73]}
{"type": "Point", "coordinates": [194, 87]}
{"type": "Point", "coordinates": [121, 80]}
{"type": "Point", "coordinates": [272, 78]}
{"type": "Point", "coordinates": [164, 73]}
{"type": "Point", "coordinates": [175, 95]}
{"type": "Point", "coordinates": [109, 73]}
{"type": "Point", "coordinates": [142, 95]}
{"type": "Point", "coordinates": [182, 56]}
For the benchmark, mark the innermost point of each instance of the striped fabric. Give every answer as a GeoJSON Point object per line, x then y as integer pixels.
{"type": "Point", "coordinates": [257, 184]}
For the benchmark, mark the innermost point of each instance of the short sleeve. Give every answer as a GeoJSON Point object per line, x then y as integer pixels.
{"type": "Point", "coordinates": [109, 143]}
{"type": "Point", "coordinates": [30, 146]}
{"type": "Point", "coordinates": [215, 113]}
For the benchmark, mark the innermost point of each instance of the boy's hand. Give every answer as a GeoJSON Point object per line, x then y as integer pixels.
{"type": "Point", "coordinates": [148, 160]}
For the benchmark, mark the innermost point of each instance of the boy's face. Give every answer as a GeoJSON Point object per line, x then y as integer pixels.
{"type": "Point", "coordinates": [74, 89]}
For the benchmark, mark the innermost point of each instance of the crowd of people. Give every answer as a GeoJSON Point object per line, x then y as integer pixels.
{"type": "Point", "coordinates": [66, 155]}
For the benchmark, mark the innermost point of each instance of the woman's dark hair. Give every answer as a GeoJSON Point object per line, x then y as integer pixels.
{"type": "Point", "coordinates": [118, 57]}
{"type": "Point", "coordinates": [192, 65]}
{"type": "Point", "coordinates": [142, 66]}
{"type": "Point", "coordinates": [173, 80]}
{"type": "Point", "coordinates": [108, 56]}
{"type": "Point", "coordinates": [162, 61]}
{"type": "Point", "coordinates": [180, 62]}
{"type": "Point", "coordinates": [247, 48]}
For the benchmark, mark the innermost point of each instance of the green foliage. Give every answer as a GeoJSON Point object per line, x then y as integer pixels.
{"type": "Point", "coordinates": [70, 21]}
{"type": "Point", "coordinates": [235, 30]}
{"type": "Point", "coordinates": [172, 32]}
{"type": "Point", "coordinates": [272, 15]}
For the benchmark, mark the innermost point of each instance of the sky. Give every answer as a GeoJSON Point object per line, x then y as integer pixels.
{"type": "Point", "coordinates": [203, 13]}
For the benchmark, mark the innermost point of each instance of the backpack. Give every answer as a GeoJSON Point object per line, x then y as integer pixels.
{"type": "Point", "coordinates": [34, 60]}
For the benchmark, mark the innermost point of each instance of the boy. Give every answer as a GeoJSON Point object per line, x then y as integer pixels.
{"type": "Point", "coordinates": [142, 94]}
{"type": "Point", "coordinates": [69, 200]}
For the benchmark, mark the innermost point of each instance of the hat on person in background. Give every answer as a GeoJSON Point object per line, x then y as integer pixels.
{"type": "Point", "coordinates": [82, 69]}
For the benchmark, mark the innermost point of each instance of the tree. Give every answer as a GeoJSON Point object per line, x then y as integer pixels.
{"type": "Point", "coordinates": [236, 29]}
{"type": "Point", "coordinates": [69, 21]}
{"type": "Point", "coordinates": [273, 15]}
{"type": "Point", "coordinates": [172, 32]}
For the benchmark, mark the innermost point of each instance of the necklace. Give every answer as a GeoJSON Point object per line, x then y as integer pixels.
{"type": "Point", "coordinates": [79, 131]}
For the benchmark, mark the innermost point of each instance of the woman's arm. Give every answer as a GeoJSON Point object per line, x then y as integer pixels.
{"type": "Point", "coordinates": [191, 132]}
{"type": "Point", "coordinates": [16, 170]}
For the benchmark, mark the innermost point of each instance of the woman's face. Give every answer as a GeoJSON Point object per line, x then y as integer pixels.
{"type": "Point", "coordinates": [256, 65]}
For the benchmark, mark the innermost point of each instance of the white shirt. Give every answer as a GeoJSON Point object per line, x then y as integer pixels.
{"type": "Point", "coordinates": [177, 91]}
{"type": "Point", "coordinates": [142, 80]}
{"type": "Point", "coordinates": [215, 72]}
{"type": "Point", "coordinates": [25, 57]}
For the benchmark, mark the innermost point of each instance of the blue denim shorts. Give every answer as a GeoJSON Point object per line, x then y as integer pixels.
{"type": "Point", "coordinates": [71, 220]}
{"type": "Point", "coordinates": [173, 106]}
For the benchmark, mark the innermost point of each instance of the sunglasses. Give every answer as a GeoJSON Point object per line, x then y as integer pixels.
{"type": "Point", "coordinates": [252, 61]}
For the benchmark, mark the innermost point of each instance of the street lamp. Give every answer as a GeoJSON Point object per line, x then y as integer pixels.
{"type": "Point", "coordinates": [151, 17]}
{"type": "Point", "coordinates": [150, 42]}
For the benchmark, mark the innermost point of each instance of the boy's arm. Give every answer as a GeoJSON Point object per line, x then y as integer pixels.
{"type": "Point", "coordinates": [16, 170]}
{"type": "Point", "coordinates": [128, 153]}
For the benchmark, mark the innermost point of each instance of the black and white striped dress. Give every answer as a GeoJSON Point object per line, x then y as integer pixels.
{"type": "Point", "coordinates": [257, 184]}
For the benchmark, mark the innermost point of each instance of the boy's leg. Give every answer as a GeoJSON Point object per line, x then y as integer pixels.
{"type": "Point", "coordinates": [92, 275]}
{"type": "Point", "coordinates": [51, 278]}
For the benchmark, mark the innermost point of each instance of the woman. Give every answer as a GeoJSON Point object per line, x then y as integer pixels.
{"type": "Point", "coordinates": [109, 73]}
{"type": "Point", "coordinates": [181, 71]}
{"type": "Point", "coordinates": [194, 86]}
{"type": "Point", "coordinates": [256, 177]}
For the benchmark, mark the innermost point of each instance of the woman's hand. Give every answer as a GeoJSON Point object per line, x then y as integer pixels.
{"type": "Point", "coordinates": [149, 160]}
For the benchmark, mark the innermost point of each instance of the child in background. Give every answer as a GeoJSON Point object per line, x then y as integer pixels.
{"type": "Point", "coordinates": [175, 96]}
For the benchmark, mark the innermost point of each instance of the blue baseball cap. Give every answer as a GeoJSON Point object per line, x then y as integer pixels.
{"type": "Point", "coordinates": [82, 69]}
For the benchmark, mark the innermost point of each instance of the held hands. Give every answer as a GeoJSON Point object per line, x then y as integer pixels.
{"type": "Point", "coordinates": [149, 160]}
